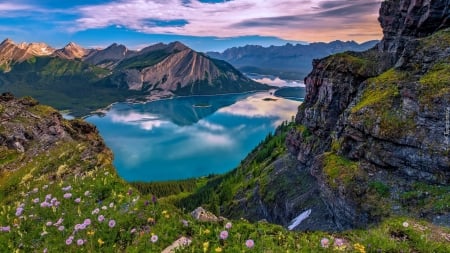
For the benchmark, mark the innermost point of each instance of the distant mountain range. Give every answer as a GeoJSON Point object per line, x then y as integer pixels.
{"type": "Point", "coordinates": [292, 62]}
{"type": "Point", "coordinates": [82, 80]}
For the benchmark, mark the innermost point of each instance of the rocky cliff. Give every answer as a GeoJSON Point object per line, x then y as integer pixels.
{"type": "Point", "coordinates": [370, 139]}
{"type": "Point", "coordinates": [377, 121]}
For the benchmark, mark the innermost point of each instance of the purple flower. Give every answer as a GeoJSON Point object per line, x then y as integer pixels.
{"type": "Point", "coordinates": [228, 225]}
{"type": "Point", "coordinates": [146, 203]}
{"type": "Point", "coordinates": [87, 193]}
{"type": "Point", "coordinates": [77, 200]}
{"type": "Point", "coordinates": [154, 238]}
{"type": "Point", "coordinates": [61, 228]}
{"type": "Point", "coordinates": [101, 218]}
{"type": "Point", "coordinates": [223, 235]}
{"type": "Point", "coordinates": [36, 200]}
{"type": "Point", "coordinates": [185, 223]}
{"type": "Point", "coordinates": [35, 190]}
{"type": "Point", "coordinates": [112, 223]}
{"type": "Point", "coordinates": [67, 195]}
{"type": "Point", "coordinates": [96, 211]}
{"type": "Point", "coordinates": [53, 200]}
{"type": "Point", "coordinates": [249, 243]}
{"type": "Point", "coordinates": [60, 220]}
{"type": "Point", "coordinates": [130, 191]}
{"type": "Point", "coordinates": [338, 242]}
{"type": "Point", "coordinates": [133, 231]}
{"type": "Point", "coordinates": [45, 204]}
{"type": "Point", "coordinates": [45, 250]}
{"type": "Point", "coordinates": [69, 241]}
{"type": "Point", "coordinates": [87, 222]}
{"type": "Point", "coordinates": [154, 199]}
{"type": "Point", "coordinates": [49, 223]}
{"type": "Point", "coordinates": [5, 229]}
{"type": "Point", "coordinates": [19, 211]}
{"type": "Point", "coordinates": [325, 242]}
{"type": "Point", "coordinates": [67, 188]}
{"type": "Point", "coordinates": [80, 242]}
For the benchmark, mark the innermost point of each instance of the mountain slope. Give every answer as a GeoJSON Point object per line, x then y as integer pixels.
{"type": "Point", "coordinates": [59, 192]}
{"type": "Point", "coordinates": [11, 53]}
{"type": "Point", "coordinates": [368, 142]}
{"type": "Point", "coordinates": [71, 51]}
{"type": "Point", "coordinates": [80, 80]}
{"type": "Point", "coordinates": [287, 62]}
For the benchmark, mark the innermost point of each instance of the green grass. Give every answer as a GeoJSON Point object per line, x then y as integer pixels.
{"type": "Point", "coordinates": [378, 105]}
{"type": "Point", "coordinates": [144, 61]}
{"type": "Point", "coordinates": [380, 90]}
{"type": "Point", "coordinates": [380, 188]}
{"type": "Point", "coordinates": [339, 170]}
{"type": "Point", "coordinates": [429, 198]}
{"type": "Point", "coordinates": [436, 82]}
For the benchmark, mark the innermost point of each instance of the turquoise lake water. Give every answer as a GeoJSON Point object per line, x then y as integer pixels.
{"type": "Point", "coordinates": [191, 136]}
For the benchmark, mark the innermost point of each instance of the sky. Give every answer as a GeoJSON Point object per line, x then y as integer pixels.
{"type": "Point", "coordinates": [204, 25]}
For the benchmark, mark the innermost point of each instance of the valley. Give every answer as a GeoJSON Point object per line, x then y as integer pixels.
{"type": "Point", "coordinates": [167, 149]}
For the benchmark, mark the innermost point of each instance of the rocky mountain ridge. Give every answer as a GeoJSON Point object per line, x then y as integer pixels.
{"type": "Point", "coordinates": [289, 61]}
{"type": "Point", "coordinates": [157, 71]}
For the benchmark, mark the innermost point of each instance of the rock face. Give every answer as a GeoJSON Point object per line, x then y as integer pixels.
{"type": "Point", "coordinates": [408, 19]}
{"type": "Point", "coordinates": [370, 139]}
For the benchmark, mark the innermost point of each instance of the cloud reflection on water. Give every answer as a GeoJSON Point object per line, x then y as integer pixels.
{"type": "Point", "coordinates": [263, 105]}
{"type": "Point", "coordinates": [157, 148]}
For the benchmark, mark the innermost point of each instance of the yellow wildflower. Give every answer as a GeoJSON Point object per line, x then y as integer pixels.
{"type": "Point", "coordinates": [218, 249]}
{"type": "Point", "coordinates": [150, 220]}
{"type": "Point", "coordinates": [100, 241]}
{"type": "Point", "coordinates": [164, 212]}
{"type": "Point", "coordinates": [205, 246]}
{"type": "Point", "coordinates": [206, 231]}
{"type": "Point", "coordinates": [167, 216]}
{"type": "Point", "coordinates": [359, 248]}
{"type": "Point", "coordinates": [91, 233]}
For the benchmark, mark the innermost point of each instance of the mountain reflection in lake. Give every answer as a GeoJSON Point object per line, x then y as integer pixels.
{"type": "Point", "coordinates": [189, 137]}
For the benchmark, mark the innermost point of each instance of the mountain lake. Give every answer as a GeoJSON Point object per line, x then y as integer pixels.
{"type": "Point", "coordinates": [189, 136]}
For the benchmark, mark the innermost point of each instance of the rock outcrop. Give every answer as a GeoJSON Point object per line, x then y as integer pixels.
{"type": "Point", "coordinates": [405, 20]}
{"type": "Point", "coordinates": [29, 129]}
